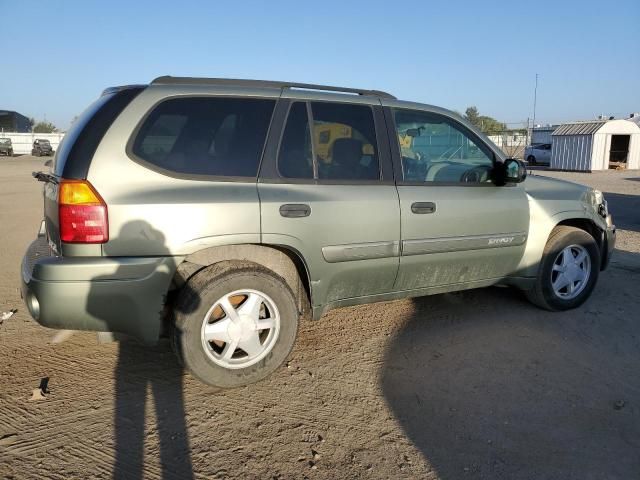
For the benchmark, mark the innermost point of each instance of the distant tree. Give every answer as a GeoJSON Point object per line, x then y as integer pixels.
{"type": "Point", "coordinates": [488, 125]}
{"type": "Point", "coordinates": [32, 122]}
{"type": "Point", "coordinates": [44, 127]}
{"type": "Point", "coordinates": [472, 114]}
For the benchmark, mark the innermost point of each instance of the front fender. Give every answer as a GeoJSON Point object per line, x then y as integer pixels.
{"type": "Point", "coordinates": [542, 222]}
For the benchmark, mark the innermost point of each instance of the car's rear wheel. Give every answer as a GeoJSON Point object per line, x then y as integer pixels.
{"type": "Point", "coordinates": [568, 271]}
{"type": "Point", "coordinates": [531, 160]}
{"type": "Point", "coordinates": [235, 323]}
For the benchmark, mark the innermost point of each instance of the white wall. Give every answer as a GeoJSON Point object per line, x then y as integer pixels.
{"type": "Point", "coordinates": [23, 142]}
{"type": "Point", "coordinates": [620, 127]}
{"type": "Point", "coordinates": [600, 153]}
{"type": "Point", "coordinates": [509, 140]}
{"type": "Point", "coordinates": [633, 160]}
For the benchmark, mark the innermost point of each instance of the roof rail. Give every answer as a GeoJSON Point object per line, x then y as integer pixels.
{"type": "Point", "coordinates": [168, 80]}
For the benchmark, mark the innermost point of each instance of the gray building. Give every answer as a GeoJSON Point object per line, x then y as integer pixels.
{"type": "Point", "coordinates": [542, 135]}
{"type": "Point", "coordinates": [635, 118]}
{"type": "Point", "coordinates": [11, 121]}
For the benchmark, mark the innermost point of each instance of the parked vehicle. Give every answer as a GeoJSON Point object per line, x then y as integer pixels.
{"type": "Point", "coordinates": [538, 154]}
{"type": "Point", "coordinates": [221, 212]}
{"type": "Point", "coordinates": [42, 147]}
{"type": "Point", "coordinates": [6, 148]}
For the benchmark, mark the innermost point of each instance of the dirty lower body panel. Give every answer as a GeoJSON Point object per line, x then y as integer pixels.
{"type": "Point", "coordinates": [104, 294]}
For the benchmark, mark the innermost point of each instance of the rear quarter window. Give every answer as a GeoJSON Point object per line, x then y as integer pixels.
{"type": "Point", "coordinates": [222, 137]}
{"type": "Point", "coordinates": [82, 139]}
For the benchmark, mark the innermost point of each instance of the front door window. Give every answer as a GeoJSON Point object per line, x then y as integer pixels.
{"type": "Point", "coordinates": [437, 149]}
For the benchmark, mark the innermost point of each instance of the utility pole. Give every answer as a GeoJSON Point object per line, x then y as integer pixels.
{"type": "Point", "coordinates": [535, 99]}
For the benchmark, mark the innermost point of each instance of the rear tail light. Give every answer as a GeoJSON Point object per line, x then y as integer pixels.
{"type": "Point", "coordinates": [82, 213]}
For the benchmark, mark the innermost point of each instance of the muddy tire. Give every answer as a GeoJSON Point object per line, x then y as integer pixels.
{"type": "Point", "coordinates": [235, 323]}
{"type": "Point", "coordinates": [568, 271]}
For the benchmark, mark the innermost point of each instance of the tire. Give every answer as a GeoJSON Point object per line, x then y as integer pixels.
{"type": "Point", "coordinates": [544, 295]}
{"type": "Point", "coordinates": [194, 310]}
{"type": "Point", "coordinates": [531, 160]}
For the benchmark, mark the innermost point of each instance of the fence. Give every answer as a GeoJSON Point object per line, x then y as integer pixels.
{"type": "Point", "coordinates": [512, 144]}
{"type": "Point", "coordinates": [23, 142]}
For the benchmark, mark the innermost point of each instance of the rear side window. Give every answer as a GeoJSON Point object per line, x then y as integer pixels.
{"type": "Point", "coordinates": [205, 136]}
{"type": "Point", "coordinates": [340, 145]}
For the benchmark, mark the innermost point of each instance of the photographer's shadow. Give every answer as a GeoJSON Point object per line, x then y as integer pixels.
{"type": "Point", "coordinates": [142, 368]}
{"type": "Point", "coordinates": [487, 386]}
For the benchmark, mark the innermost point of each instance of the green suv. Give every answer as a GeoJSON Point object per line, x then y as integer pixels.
{"type": "Point", "coordinates": [221, 212]}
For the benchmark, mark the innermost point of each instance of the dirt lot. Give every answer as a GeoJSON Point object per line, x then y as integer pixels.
{"type": "Point", "coordinates": [478, 384]}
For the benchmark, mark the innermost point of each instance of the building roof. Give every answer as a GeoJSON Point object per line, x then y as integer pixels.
{"type": "Point", "coordinates": [635, 119]}
{"type": "Point", "coordinates": [579, 128]}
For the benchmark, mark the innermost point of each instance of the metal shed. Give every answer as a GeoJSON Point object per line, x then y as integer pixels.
{"type": "Point", "coordinates": [587, 146]}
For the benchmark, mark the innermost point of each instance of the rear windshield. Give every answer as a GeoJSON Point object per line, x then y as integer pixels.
{"type": "Point", "coordinates": [44, 142]}
{"type": "Point", "coordinates": [82, 139]}
{"type": "Point", "coordinates": [5, 141]}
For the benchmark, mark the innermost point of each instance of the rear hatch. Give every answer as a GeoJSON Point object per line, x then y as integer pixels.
{"type": "Point", "coordinates": [75, 152]}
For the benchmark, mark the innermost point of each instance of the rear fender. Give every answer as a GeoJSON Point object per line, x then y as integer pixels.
{"type": "Point", "coordinates": [274, 259]}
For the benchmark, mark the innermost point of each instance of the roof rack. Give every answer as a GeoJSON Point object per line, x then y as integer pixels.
{"type": "Point", "coordinates": [168, 80]}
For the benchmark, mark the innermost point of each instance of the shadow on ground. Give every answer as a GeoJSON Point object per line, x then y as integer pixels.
{"type": "Point", "coordinates": [155, 368]}
{"type": "Point", "coordinates": [625, 210]}
{"type": "Point", "coordinates": [141, 371]}
{"type": "Point", "coordinates": [487, 386]}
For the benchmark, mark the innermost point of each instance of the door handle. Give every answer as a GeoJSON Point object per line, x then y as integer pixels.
{"type": "Point", "coordinates": [423, 207]}
{"type": "Point", "coordinates": [295, 210]}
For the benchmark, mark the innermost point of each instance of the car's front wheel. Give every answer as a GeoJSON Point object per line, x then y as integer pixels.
{"type": "Point", "coordinates": [568, 271]}
{"type": "Point", "coordinates": [235, 323]}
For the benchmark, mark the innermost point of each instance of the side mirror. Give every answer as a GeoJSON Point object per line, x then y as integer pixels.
{"type": "Point", "coordinates": [511, 170]}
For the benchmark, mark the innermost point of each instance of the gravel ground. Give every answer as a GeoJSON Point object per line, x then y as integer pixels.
{"type": "Point", "coordinates": [477, 384]}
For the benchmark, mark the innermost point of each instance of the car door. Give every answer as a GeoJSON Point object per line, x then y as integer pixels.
{"type": "Point", "coordinates": [326, 192]}
{"type": "Point", "coordinates": [457, 226]}
{"type": "Point", "coordinates": [545, 153]}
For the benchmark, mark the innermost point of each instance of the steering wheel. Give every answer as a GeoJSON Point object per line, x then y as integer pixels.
{"type": "Point", "coordinates": [478, 174]}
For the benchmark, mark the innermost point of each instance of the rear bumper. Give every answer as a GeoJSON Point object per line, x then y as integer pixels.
{"type": "Point", "coordinates": [104, 294]}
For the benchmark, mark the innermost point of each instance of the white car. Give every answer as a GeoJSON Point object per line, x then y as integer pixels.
{"type": "Point", "coordinates": [538, 154]}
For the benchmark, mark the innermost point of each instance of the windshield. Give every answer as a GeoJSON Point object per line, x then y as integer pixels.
{"type": "Point", "coordinates": [5, 141]}
{"type": "Point", "coordinates": [43, 142]}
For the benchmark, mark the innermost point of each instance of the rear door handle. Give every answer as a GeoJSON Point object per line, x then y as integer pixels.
{"type": "Point", "coordinates": [423, 207]}
{"type": "Point", "coordinates": [295, 210]}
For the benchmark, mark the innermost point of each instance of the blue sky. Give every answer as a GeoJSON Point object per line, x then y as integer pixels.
{"type": "Point", "coordinates": [59, 55]}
